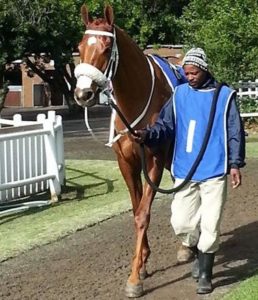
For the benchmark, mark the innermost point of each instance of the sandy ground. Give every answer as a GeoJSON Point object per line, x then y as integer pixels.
{"type": "Point", "coordinates": [94, 263]}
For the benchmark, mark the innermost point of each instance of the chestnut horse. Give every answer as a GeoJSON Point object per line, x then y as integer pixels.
{"type": "Point", "coordinates": [112, 64]}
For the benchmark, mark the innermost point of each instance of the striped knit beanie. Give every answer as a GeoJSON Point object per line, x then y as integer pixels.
{"type": "Point", "coordinates": [196, 57]}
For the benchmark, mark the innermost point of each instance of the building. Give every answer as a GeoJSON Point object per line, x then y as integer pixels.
{"type": "Point", "coordinates": [27, 89]}
{"type": "Point", "coordinates": [173, 53]}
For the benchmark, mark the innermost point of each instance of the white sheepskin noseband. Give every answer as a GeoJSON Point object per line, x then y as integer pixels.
{"type": "Point", "coordinates": [86, 74]}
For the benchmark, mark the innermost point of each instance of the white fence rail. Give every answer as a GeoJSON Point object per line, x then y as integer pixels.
{"type": "Point", "coordinates": [248, 89]}
{"type": "Point", "coordinates": [31, 158]}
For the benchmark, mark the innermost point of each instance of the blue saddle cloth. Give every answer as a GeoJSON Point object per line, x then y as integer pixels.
{"type": "Point", "coordinates": [174, 73]}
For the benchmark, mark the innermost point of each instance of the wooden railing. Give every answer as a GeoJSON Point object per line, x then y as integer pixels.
{"type": "Point", "coordinates": [31, 158]}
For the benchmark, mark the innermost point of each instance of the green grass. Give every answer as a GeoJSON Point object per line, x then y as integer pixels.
{"type": "Point", "coordinates": [95, 191]}
{"type": "Point", "coordinates": [247, 290]}
{"type": "Point", "coordinates": [252, 147]}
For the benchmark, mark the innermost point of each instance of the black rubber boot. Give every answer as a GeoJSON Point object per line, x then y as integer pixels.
{"type": "Point", "coordinates": [195, 269]}
{"type": "Point", "coordinates": [206, 261]}
{"type": "Point", "coordinates": [195, 265]}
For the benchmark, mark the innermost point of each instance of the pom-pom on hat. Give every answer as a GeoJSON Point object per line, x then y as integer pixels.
{"type": "Point", "coordinates": [196, 57]}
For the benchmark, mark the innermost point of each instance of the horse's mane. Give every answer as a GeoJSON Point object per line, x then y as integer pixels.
{"type": "Point", "coordinates": [130, 41]}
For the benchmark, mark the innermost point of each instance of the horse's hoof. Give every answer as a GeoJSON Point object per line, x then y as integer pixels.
{"type": "Point", "coordinates": [143, 274]}
{"type": "Point", "coordinates": [133, 291]}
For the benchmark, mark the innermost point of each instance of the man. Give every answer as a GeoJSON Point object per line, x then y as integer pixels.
{"type": "Point", "coordinates": [197, 207]}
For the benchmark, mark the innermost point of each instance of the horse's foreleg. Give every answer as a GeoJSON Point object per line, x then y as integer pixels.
{"type": "Point", "coordinates": [132, 175]}
{"type": "Point", "coordinates": [136, 195]}
{"type": "Point", "coordinates": [134, 287]}
{"type": "Point", "coordinates": [145, 255]}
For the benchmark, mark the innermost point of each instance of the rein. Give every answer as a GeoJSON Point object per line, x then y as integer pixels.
{"type": "Point", "coordinates": [199, 157]}
{"type": "Point", "coordinates": [112, 102]}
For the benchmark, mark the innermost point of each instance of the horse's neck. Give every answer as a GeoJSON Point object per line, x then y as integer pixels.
{"type": "Point", "coordinates": [132, 82]}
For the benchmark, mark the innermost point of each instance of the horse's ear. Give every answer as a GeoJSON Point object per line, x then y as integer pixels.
{"type": "Point", "coordinates": [85, 15]}
{"type": "Point", "coordinates": [109, 15]}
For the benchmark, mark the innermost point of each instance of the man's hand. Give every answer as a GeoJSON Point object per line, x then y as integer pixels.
{"type": "Point", "coordinates": [235, 175]}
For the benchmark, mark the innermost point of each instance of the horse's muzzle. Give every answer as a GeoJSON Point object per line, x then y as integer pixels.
{"type": "Point", "coordinates": [84, 97]}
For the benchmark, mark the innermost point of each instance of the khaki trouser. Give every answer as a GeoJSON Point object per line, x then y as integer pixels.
{"type": "Point", "coordinates": [196, 213]}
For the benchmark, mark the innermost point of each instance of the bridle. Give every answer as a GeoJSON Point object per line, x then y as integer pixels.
{"type": "Point", "coordinates": [85, 72]}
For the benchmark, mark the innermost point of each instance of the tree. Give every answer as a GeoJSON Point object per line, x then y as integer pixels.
{"type": "Point", "coordinates": [51, 27]}
{"type": "Point", "coordinates": [54, 27]}
{"type": "Point", "coordinates": [146, 21]}
{"type": "Point", "coordinates": [228, 31]}
{"type": "Point", "coordinates": [5, 47]}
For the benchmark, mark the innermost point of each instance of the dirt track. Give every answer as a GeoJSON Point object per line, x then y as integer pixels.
{"type": "Point", "coordinates": [94, 263]}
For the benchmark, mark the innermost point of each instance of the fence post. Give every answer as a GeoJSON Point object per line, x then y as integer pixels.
{"type": "Point", "coordinates": [52, 168]}
{"type": "Point", "coordinates": [59, 146]}
{"type": "Point", "coordinates": [2, 193]}
{"type": "Point", "coordinates": [17, 119]}
{"type": "Point", "coordinates": [60, 149]}
{"type": "Point", "coordinates": [240, 89]}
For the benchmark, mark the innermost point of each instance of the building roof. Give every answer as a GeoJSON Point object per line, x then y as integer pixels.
{"type": "Point", "coordinates": [174, 53]}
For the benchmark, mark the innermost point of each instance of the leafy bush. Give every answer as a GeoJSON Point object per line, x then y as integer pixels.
{"type": "Point", "coordinates": [247, 104]}
{"type": "Point", "coordinates": [228, 31]}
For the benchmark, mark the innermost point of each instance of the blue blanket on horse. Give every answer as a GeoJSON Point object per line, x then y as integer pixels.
{"type": "Point", "coordinates": [174, 73]}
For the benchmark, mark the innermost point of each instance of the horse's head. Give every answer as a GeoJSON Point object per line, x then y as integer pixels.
{"type": "Point", "coordinates": [98, 57]}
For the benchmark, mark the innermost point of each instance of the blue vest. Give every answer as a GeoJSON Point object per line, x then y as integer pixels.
{"type": "Point", "coordinates": [192, 110]}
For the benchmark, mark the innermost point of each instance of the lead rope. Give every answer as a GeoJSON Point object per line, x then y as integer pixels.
{"type": "Point", "coordinates": [86, 120]}
{"type": "Point", "coordinates": [199, 157]}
